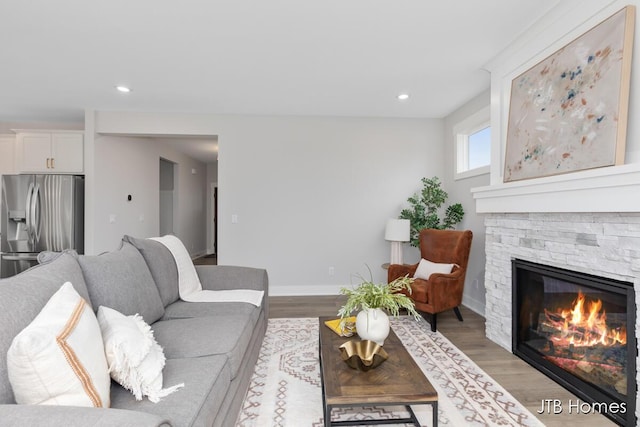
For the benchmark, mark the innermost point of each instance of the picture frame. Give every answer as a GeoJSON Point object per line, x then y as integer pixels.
{"type": "Point", "coordinates": [569, 111]}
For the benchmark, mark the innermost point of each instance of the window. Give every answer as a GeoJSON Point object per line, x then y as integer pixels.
{"type": "Point", "coordinates": [479, 148]}
{"type": "Point", "coordinates": [473, 145]}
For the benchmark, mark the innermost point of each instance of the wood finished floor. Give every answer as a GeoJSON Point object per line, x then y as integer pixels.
{"type": "Point", "coordinates": [526, 384]}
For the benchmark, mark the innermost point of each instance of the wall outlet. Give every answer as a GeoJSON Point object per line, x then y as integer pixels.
{"type": "Point", "coordinates": [332, 271]}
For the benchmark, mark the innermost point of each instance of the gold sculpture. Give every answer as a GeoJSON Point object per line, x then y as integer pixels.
{"type": "Point", "coordinates": [363, 355]}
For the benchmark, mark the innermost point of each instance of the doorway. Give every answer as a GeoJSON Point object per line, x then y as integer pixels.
{"type": "Point", "coordinates": [168, 196]}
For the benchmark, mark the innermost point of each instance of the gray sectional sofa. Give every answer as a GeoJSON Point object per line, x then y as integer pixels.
{"type": "Point", "coordinates": [210, 347]}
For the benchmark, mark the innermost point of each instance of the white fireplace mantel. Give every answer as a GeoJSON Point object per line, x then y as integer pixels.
{"type": "Point", "coordinates": [609, 189]}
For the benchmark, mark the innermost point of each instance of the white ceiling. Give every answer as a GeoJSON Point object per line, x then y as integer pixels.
{"type": "Point", "coordinates": [331, 57]}
{"type": "Point", "coordinates": [277, 57]}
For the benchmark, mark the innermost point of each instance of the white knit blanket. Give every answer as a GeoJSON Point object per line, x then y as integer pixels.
{"type": "Point", "coordinates": [189, 285]}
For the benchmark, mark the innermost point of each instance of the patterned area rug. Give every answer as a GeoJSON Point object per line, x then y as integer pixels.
{"type": "Point", "coordinates": [285, 388]}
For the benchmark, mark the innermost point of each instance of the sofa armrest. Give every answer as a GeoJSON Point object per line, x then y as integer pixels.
{"type": "Point", "coordinates": [220, 277]}
{"type": "Point", "coordinates": [72, 416]}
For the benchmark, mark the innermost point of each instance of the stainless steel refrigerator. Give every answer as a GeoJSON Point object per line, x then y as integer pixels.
{"type": "Point", "coordinates": [39, 213]}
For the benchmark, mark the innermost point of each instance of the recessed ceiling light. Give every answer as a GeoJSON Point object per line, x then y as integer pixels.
{"type": "Point", "coordinates": [403, 96]}
{"type": "Point", "coordinates": [123, 89]}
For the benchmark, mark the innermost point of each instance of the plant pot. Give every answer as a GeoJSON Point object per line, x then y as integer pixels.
{"type": "Point", "coordinates": [373, 325]}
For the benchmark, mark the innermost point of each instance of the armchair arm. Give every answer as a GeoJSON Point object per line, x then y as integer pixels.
{"type": "Point", "coordinates": [75, 416]}
{"type": "Point", "coordinates": [400, 270]}
{"type": "Point", "coordinates": [444, 291]}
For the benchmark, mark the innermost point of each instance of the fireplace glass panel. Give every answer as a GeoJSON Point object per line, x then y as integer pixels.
{"type": "Point", "coordinates": [575, 328]}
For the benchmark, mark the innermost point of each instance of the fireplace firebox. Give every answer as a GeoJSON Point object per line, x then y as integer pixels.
{"type": "Point", "coordinates": [579, 330]}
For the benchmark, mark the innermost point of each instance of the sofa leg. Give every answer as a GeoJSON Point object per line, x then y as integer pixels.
{"type": "Point", "coordinates": [456, 310]}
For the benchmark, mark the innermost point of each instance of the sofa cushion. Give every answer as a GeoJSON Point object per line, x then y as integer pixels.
{"type": "Point", "coordinates": [207, 381]}
{"type": "Point", "coordinates": [162, 266]}
{"type": "Point", "coordinates": [121, 280]}
{"type": "Point", "coordinates": [23, 296]}
{"type": "Point", "coordinates": [59, 358]}
{"type": "Point", "coordinates": [204, 336]}
{"type": "Point", "coordinates": [185, 310]}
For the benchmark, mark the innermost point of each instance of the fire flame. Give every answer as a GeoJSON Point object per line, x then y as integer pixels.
{"type": "Point", "coordinates": [586, 326]}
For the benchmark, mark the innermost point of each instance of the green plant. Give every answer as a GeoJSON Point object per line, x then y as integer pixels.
{"type": "Point", "coordinates": [425, 209]}
{"type": "Point", "coordinates": [384, 296]}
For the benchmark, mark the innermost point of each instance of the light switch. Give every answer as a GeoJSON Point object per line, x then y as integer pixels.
{"type": "Point", "coordinates": [112, 218]}
{"type": "Point", "coordinates": [234, 219]}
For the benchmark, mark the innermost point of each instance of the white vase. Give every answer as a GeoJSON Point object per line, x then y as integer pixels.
{"type": "Point", "coordinates": [373, 325]}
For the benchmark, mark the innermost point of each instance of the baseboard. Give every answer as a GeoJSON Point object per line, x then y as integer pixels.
{"type": "Point", "coordinates": [474, 305]}
{"type": "Point", "coordinates": [333, 289]}
{"type": "Point", "coordinates": [288, 291]}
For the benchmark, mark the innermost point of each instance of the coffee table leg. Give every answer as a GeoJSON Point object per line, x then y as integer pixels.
{"type": "Point", "coordinates": [327, 416]}
{"type": "Point", "coordinates": [435, 413]}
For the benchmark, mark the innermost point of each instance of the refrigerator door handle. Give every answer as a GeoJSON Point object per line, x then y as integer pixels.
{"type": "Point", "coordinates": [29, 226]}
{"type": "Point", "coordinates": [35, 212]}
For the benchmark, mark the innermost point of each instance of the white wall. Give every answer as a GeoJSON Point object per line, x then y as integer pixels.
{"type": "Point", "coordinates": [124, 166]}
{"type": "Point", "coordinates": [130, 166]}
{"type": "Point", "coordinates": [460, 192]}
{"type": "Point", "coordinates": [309, 193]}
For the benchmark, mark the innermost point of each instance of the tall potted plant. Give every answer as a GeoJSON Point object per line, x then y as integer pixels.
{"type": "Point", "coordinates": [372, 322]}
{"type": "Point", "coordinates": [426, 208]}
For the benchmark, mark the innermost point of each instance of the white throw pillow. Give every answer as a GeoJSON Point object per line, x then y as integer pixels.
{"type": "Point", "coordinates": [59, 358]}
{"type": "Point", "coordinates": [426, 268]}
{"type": "Point", "coordinates": [134, 357]}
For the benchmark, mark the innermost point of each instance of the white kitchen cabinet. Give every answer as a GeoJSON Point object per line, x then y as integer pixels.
{"type": "Point", "coordinates": [50, 152]}
{"type": "Point", "coordinates": [7, 154]}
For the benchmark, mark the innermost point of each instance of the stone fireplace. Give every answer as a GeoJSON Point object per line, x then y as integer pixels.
{"type": "Point", "coordinates": [599, 244]}
{"type": "Point", "coordinates": [587, 221]}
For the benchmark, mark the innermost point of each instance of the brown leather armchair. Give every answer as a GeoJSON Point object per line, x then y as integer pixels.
{"type": "Point", "coordinates": [441, 291]}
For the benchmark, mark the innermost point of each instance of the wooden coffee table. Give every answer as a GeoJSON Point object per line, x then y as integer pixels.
{"type": "Point", "coordinates": [397, 381]}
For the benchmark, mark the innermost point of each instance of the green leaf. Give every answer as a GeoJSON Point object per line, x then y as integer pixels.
{"type": "Point", "coordinates": [425, 208]}
{"type": "Point", "coordinates": [384, 296]}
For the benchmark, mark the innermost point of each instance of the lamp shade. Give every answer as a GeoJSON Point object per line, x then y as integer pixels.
{"type": "Point", "coordinates": [398, 230]}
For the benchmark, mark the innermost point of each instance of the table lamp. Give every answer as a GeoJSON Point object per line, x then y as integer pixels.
{"type": "Point", "coordinates": [397, 231]}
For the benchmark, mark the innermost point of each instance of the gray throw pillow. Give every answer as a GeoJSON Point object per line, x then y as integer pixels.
{"type": "Point", "coordinates": [162, 266]}
{"type": "Point", "coordinates": [122, 281]}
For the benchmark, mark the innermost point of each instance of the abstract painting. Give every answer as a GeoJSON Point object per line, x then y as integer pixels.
{"type": "Point", "coordinates": [569, 112]}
